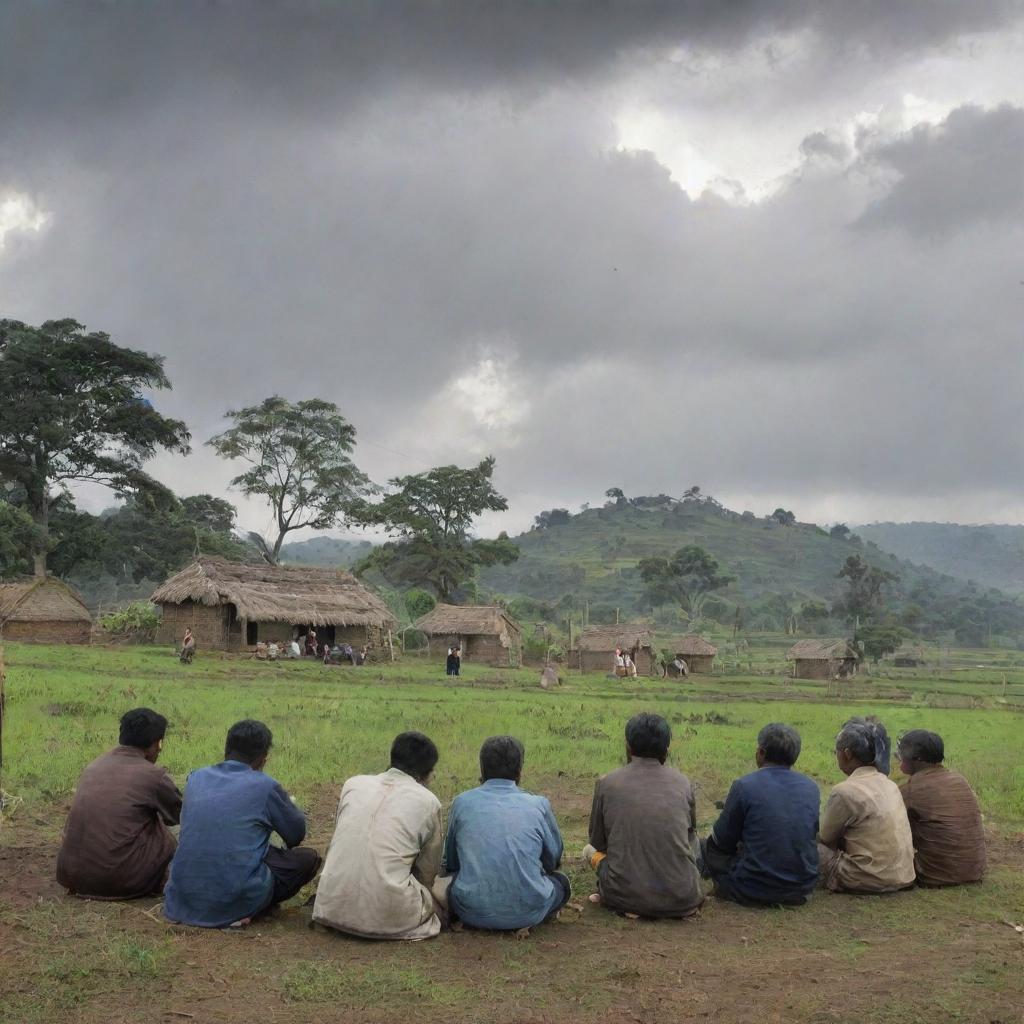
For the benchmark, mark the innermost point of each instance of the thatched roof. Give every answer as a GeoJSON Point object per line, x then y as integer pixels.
{"type": "Point", "coordinates": [821, 650]}
{"type": "Point", "coordinates": [466, 620]}
{"type": "Point", "coordinates": [274, 593]}
{"type": "Point", "coordinates": [628, 635]}
{"type": "Point", "coordinates": [693, 644]}
{"type": "Point", "coordinates": [41, 599]}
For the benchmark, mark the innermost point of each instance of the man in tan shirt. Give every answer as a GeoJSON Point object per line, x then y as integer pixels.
{"type": "Point", "coordinates": [865, 843]}
{"type": "Point", "coordinates": [386, 851]}
{"type": "Point", "coordinates": [945, 819]}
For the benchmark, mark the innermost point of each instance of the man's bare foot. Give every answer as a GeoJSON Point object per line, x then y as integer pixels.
{"type": "Point", "coordinates": [242, 923]}
{"type": "Point", "coordinates": [522, 933]}
{"type": "Point", "coordinates": [594, 897]}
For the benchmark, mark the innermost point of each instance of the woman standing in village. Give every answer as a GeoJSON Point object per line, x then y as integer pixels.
{"type": "Point", "coordinates": [188, 647]}
{"type": "Point", "coordinates": [454, 662]}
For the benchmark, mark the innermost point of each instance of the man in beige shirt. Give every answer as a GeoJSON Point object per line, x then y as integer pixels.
{"type": "Point", "coordinates": [865, 843]}
{"type": "Point", "coordinates": [386, 850]}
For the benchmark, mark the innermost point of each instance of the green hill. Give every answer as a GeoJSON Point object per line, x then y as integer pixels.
{"type": "Point", "coordinates": [328, 551]}
{"type": "Point", "coordinates": [992, 556]}
{"type": "Point", "coordinates": [782, 571]}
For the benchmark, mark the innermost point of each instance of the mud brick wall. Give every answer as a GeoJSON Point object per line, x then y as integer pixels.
{"type": "Point", "coordinates": [58, 632]}
{"type": "Point", "coordinates": [208, 625]}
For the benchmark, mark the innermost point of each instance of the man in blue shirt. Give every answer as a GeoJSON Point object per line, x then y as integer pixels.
{"type": "Point", "coordinates": [503, 848]}
{"type": "Point", "coordinates": [762, 850]}
{"type": "Point", "coordinates": [225, 871]}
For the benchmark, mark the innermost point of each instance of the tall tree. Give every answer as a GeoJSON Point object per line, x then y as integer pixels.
{"type": "Point", "coordinates": [431, 515]}
{"type": "Point", "coordinates": [72, 409]}
{"type": "Point", "coordinates": [864, 595]}
{"type": "Point", "coordinates": [300, 462]}
{"type": "Point", "coordinates": [686, 578]}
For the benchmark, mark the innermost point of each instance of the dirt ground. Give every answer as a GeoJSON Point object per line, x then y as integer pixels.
{"type": "Point", "coordinates": [919, 956]}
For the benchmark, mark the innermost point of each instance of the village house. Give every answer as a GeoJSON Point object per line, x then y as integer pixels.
{"type": "Point", "coordinates": [823, 659]}
{"type": "Point", "coordinates": [594, 649]}
{"type": "Point", "coordinates": [43, 610]}
{"type": "Point", "coordinates": [230, 606]}
{"type": "Point", "coordinates": [698, 654]}
{"type": "Point", "coordinates": [487, 633]}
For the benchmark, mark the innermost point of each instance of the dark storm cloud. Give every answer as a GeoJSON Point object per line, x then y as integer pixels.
{"type": "Point", "coordinates": [362, 202]}
{"type": "Point", "coordinates": [967, 170]}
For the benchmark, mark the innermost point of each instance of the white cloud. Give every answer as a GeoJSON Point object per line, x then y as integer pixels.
{"type": "Point", "coordinates": [19, 213]}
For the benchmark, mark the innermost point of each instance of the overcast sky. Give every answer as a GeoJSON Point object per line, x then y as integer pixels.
{"type": "Point", "coordinates": [770, 248]}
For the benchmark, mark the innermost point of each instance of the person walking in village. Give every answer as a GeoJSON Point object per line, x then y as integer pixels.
{"type": "Point", "coordinates": [311, 643]}
{"type": "Point", "coordinates": [386, 851]}
{"type": "Point", "coordinates": [454, 661]}
{"type": "Point", "coordinates": [643, 830]}
{"type": "Point", "coordinates": [116, 843]}
{"type": "Point", "coordinates": [225, 871]}
{"type": "Point", "coordinates": [620, 663]}
{"type": "Point", "coordinates": [503, 848]}
{"type": "Point", "coordinates": [763, 850]}
{"type": "Point", "coordinates": [629, 665]}
{"type": "Point", "coordinates": [188, 647]}
{"type": "Point", "coordinates": [865, 844]}
{"type": "Point", "coordinates": [945, 819]}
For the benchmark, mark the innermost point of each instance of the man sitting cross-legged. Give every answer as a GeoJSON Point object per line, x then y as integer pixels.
{"type": "Point", "coordinates": [763, 849]}
{"type": "Point", "coordinates": [865, 842]}
{"type": "Point", "coordinates": [225, 871]}
{"type": "Point", "coordinates": [643, 840]}
{"type": "Point", "coordinates": [503, 847]}
{"type": "Point", "coordinates": [116, 844]}
{"type": "Point", "coordinates": [386, 850]}
{"type": "Point", "coordinates": [945, 820]}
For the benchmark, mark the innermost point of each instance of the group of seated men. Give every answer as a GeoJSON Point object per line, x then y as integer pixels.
{"type": "Point", "coordinates": [392, 872]}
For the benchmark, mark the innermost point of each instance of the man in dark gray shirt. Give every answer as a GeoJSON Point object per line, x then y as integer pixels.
{"type": "Point", "coordinates": [643, 838]}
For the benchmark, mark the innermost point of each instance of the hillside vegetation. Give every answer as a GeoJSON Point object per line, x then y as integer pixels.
{"type": "Point", "coordinates": [990, 555]}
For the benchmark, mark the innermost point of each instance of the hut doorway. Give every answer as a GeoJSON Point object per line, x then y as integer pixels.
{"type": "Point", "coordinates": [324, 634]}
{"type": "Point", "coordinates": [252, 633]}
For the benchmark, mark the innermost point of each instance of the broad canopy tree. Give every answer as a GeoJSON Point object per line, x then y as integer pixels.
{"type": "Point", "coordinates": [300, 462]}
{"type": "Point", "coordinates": [72, 408]}
{"type": "Point", "coordinates": [864, 596]}
{"type": "Point", "coordinates": [684, 579]}
{"type": "Point", "coordinates": [430, 515]}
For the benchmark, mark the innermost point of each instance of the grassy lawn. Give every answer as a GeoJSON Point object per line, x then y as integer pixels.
{"type": "Point", "coordinates": [923, 955]}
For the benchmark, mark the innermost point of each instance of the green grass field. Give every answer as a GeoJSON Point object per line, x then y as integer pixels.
{"type": "Point", "coordinates": [841, 958]}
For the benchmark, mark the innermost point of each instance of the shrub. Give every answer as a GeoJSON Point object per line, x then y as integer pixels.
{"type": "Point", "coordinates": [138, 620]}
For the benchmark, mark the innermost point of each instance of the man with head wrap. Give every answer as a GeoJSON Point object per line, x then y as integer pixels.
{"type": "Point", "coordinates": [865, 844]}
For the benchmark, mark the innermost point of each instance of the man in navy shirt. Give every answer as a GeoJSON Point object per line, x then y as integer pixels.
{"type": "Point", "coordinates": [225, 871]}
{"type": "Point", "coordinates": [763, 850]}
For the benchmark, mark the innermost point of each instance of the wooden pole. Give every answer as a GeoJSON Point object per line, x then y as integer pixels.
{"type": "Point", "coordinates": [391, 646]}
{"type": "Point", "coordinates": [1, 711]}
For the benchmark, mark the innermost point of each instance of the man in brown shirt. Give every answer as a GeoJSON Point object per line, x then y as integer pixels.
{"type": "Point", "coordinates": [945, 819]}
{"type": "Point", "coordinates": [116, 844]}
{"type": "Point", "coordinates": [643, 830]}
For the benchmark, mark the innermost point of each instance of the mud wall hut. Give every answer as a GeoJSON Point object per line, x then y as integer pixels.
{"type": "Point", "coordinates": [231, 606]}
{"type": "Point", "coordinates": [698, 654]}
{"type": "Point", "coordinates": [823, 659]}
{"type": "Point", "coordinates": [487, 633]}
{"type": "Point", "coordinates": [43, 610]}
{"type": "Point", "coordinates": [594, 649]}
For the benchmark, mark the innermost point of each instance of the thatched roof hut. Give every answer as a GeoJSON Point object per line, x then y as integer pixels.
{"type": "Point", "coordinates": [823, 659]}
{"type": "Point", "coordinates": [43, 609]}
{"type": "Point", "coordinates": [230, 605]}
{"type": "Point", "coordinates": [486, 633]}
{"type": "Point", "coordinates": [698, 654]}
{"type": "Point", "coordinates": [594, 649]}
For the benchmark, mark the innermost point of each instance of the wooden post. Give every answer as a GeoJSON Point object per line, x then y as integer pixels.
{"type": "Point", "coordinates": [1, 711]}
{"type": "Point", "coordinates": [391, 646]}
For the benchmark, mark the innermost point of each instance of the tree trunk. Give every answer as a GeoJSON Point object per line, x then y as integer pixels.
{"type": "Point", "coordinates": [40, 507]}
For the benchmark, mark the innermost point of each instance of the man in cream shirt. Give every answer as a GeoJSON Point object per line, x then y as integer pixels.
{"type": "Point", "coordinates": [383, 860]}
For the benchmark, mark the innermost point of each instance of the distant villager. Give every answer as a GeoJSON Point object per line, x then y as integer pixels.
{"type": "Point", "coordinates": [549, 678]}
{"type": "Point", "coordinates": [454, 660]}
{"type": "Point", "coordinates": [188, 647]}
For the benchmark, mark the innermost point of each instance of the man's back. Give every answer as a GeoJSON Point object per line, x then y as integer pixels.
{"type": "Point", "coordinates": [502, 845]}
{"type": "Point", "coordinates": [644, 820]}
{"type": "Point", "coordinates": [218, 875]}
{"type": "Point", "coordinates": [770, 820]}
{"type": "Point", "coordinates": [383, 858]}
{"type": "Point", "coordinates": [116, 844]}
{"type": "Point", "coordinates": [945, 820]}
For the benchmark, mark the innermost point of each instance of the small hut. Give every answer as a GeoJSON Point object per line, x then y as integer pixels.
{"type": "Point", "coordinates": [487, 633]}
{"type": "Point", "coordinates": [43, 610]}
{"type": "Point", "coordinates": [823, 659]}
{"type": "Point", "coordinates": [230, 606]}
{"type": "Point", "coordinates": [594, 649]}
{"type": "Point", "coordinates": [909, 656]}
{"type": "Point", "coordinates": [698, 654]}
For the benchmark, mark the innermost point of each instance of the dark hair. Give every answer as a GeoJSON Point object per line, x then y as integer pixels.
{"type": "Point", "coordinates": [141, 728]}
{"type": "Point", "coordinates": [868, 741]}
{"type": "Point", "coordinates": [501, 757]}
{"type": "Point", "coordinates": [780, 743]}
{"type": "Point", "coordinates": [247, 741]}
{"type": "Point", "coordinates": [648, 736]}
{"type": "Point", "coordinates": [921, 745]}
{"type": "Point", "coordinates": [414, 754]}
